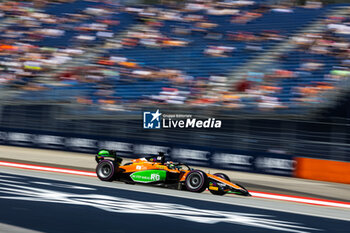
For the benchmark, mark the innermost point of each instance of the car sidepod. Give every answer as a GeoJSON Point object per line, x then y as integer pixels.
{"type": "Point", "coordinates": [148, 176]}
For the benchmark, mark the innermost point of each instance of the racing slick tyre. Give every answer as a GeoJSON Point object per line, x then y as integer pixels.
{"type": "Point", "coordinates": [105, 170]}
{"type": "Point", "coordinates": [219, 192]}
{"type": "Point", "coordinates": [196, 181]}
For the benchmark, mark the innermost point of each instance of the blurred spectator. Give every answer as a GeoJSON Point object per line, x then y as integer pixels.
{"type": "Point", "coordinates": [41, 50]}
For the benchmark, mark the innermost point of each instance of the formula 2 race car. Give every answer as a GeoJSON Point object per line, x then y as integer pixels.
{"type": "Point", "coordinates": [154, 170]}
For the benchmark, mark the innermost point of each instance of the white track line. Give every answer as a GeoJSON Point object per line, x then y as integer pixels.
{"type": "Point", "coordinates": [49, 169]}
{"type": "Point", "coordinates": [304, 200]}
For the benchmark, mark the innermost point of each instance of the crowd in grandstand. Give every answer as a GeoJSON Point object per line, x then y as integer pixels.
{"type": "Point", "coordinates": [40, 38]}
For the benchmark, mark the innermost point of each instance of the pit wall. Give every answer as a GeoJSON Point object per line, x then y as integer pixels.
{"type": "Point", "coordinates": [247, 161]}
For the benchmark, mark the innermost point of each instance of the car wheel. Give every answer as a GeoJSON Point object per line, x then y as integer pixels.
{"type": "Point", "coordinates": [196, 181]}
{"type": "Point", "coordinates": [105, 170]}
{"type": "Point", "coordinates": [219, 192]}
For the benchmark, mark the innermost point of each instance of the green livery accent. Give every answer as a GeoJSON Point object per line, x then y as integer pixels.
{"type": "Point", "coordinates": [234, 192]}
{"type": "Point", "coordinates": [148, 176]}
{"type": "Point", "coordinates": [105, 153]}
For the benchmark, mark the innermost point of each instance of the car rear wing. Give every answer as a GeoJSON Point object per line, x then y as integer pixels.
{"type": "Point", "coordinates": [108, 154]}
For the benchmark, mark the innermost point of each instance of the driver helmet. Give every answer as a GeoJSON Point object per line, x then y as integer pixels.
{"type": "Point", "coordinates": [171, 165]}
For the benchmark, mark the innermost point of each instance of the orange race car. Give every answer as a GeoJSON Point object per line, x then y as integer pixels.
{"type": "Point", "coordinates": [155, 170]}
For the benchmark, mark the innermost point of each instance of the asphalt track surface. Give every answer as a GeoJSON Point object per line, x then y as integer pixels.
{"type": "Point", "coordinates": [33, 201]}
{"type": "Point", "coordinates": [256, 182]}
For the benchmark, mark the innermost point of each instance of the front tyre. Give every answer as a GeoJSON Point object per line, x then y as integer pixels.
{"type": "Point", "coordinates": [196, 181]}
{"type": "Point", "coordinates": [105, 170]}
{"type": "Point", "coordinates": [218, 190]}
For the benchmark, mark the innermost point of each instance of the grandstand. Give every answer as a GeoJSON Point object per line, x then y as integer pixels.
{"type": "Point", "coordinates": [240, 56]}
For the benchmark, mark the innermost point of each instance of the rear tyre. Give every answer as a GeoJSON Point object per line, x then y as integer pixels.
{"type": "Point", "coordinates": [196, 181]}
{"type": "Point", "coordinates": [219, 192]}
{"type": "Point", "coordinates": [105, 170]}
